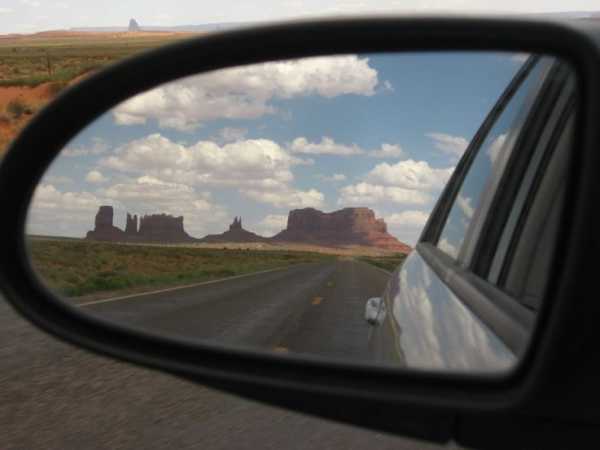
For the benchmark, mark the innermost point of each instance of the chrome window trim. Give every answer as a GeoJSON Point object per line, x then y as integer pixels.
{"type": "Point", "coordinates": [473, 233]}
{"type": "Point", "coordinates": [527, 183]}
{"type": "Point", "coordinates": [506, 317]}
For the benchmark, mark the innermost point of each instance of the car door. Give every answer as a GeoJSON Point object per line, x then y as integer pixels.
{"type": "Point", "coordinates": [466, 297]}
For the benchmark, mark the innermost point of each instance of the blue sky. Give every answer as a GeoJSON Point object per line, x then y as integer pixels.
{"type": "Point", "coordinates": [382, 131]}
{"type": "Point", "coordinates": [25, 16]}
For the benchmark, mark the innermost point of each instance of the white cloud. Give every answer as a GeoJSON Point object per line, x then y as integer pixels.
{"type": "Point", "coordinates": [150, 189]}
{"type": "Point", "coordinates": [46, 196]}
{"type": "Point", "coordinates": [366, 193]}
{"type": "Point", "coordinates": [388, 151]}
{"type": "Point", "coordinates": [72, 213]}
{"type": "Point", "coordinates": [409, 219]}
{"type": "Point", "coordinates": [410, 174]}
{"type": "Point", "coordinates": [454, 146]}
{"type": "Point", "coordinates": [245, 92]}
{"type": "Point", "coordinates": [5, 10]}
{"type": "Point", "coordinates": [97, 147]}
{"type": "Point", "coordinates": [286, 197]}
{"type": "Point", "coordinates": [150, 195]}
{"type": "Point", "coordinates": [327, 146]}
{"type": "Point", "coordinates": [254, 162]}
{"type": "Point", "coordinates": [259, 167]}
{"type": "Point", "coordinates": [272, 224]}
{"type": "Point", "coordinates": [95, 177]}
{"type": "Point", "coordinates": [54, 212]}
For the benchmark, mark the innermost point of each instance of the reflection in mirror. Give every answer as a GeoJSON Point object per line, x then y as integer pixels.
{"type": "Point", "coordinates": [277, 206]}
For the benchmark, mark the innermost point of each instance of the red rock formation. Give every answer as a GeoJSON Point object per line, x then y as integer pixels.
{"type": "Point", "coordinates": [160, 228]}
{"type": "Point", "coordinates": [131, 227]}
{"type": "Point", "coordinates": [104, 230]}
{"type": "Point", "coordinates": [348, 226]}
{"type": "Point", "coordinates": [236, 225]}
{"type": "Point", "coordinates": [235, 234]}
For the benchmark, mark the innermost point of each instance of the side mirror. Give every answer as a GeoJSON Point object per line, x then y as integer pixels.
{"type": "Point", "coordinates": [466, 356]}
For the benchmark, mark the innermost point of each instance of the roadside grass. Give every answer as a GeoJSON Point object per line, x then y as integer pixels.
{"type": "Point", "coordinates": [74, 268]}
{"type": "Point", "coordinates": [60, 76]}
{"type": "Point", "coordinates": [33, 61]}
{"type": "Point", "coordinates": [389, 263]}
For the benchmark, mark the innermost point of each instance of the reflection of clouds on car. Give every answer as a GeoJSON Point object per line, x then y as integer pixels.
{"type": "Point", "coordinates": [449, 248]}
{"type": "Point", "coordinates": [437, 331]}
{"type": "Point", "coordinates": [496, 146]}
{"type": "Point", "coordinates": [466, 206]}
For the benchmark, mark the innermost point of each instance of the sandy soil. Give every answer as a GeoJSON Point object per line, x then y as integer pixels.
{"type": "Point", "coordinates": [35, 98]}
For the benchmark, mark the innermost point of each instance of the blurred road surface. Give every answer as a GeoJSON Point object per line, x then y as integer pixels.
{"type": "Point", "coordinates": [55, 396]}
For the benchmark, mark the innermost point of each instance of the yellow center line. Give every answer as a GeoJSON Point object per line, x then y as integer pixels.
{"type": "Point", "coordinates": [317, 300]}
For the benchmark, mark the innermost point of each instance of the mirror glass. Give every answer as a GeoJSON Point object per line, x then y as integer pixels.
{"type": "Point", "coordinates": [281, 206]}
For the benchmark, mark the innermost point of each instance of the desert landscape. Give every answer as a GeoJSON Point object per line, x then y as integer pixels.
{"type": "Point", "coordinates": [156, 251]}
{"type": "Point", "coordinates": [35, 68]}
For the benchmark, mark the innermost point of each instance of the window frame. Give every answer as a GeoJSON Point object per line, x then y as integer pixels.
{"type": "Point", "coordinates": [510, 320]}
{"type": "Point", "coordinates": [437, 220]}
{"type": "Point", "coordinates": [496, 250]}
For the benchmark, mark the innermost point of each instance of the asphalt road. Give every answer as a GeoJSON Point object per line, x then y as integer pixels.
{"type": "Point", "coordinates": [55, 396]}
{"type": "Point", "coordinates": [309, 308]}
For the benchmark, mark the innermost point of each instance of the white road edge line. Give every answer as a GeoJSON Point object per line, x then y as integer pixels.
{"type": "Point", "coordinates": [204, 283]}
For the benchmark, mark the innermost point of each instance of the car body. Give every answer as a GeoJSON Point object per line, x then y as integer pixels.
{"type": "Point", "coordinates": [466, 297]}
{"type": "Point", "coordinates": [502, 270]}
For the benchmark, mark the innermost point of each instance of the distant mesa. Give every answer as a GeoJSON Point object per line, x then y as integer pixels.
{"type": "Point", "coordinates": [342, 228]}
{"type": "Point", "coordinates": [159, 228]}
{"type": "Point", "coordinates": [348, 226]}
{"type": "Point", "coordinates": [104, 230]}
{"type": "Point", "coordinates": [133, 25]}
{"type": "Point", "coordinates": [235, 234]}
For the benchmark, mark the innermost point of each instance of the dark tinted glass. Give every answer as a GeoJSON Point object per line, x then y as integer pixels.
{"type": "Point", "coordinates": [488, 164]}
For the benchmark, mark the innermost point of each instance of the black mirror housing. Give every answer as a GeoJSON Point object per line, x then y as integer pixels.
{"type": "Point", "coordinates": [420, 404]}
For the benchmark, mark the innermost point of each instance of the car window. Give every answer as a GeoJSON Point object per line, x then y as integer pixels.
{"type": "Point", "coordinates": [555, 125]}
{"type": "Point", "coordinates": [489, 163]}
{"type": "Point", "coordinates": [527, 266]}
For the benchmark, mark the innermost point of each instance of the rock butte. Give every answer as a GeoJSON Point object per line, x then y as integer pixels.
{"type": "Point", "coordinates": [235, 234]}
{"type": "Point", "coordinates": [159, 228]}
{"type": "Point", "coordinates": [346, 227]}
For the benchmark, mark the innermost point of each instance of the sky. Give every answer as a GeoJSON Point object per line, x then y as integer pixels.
{"type": "Point", "coordinates": [26, 16]}
{"type": "Point", "coordinates": [383, 131]}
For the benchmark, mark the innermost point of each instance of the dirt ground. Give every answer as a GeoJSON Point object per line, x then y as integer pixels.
{"type": "Point", "coordinates": [73, 55]}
